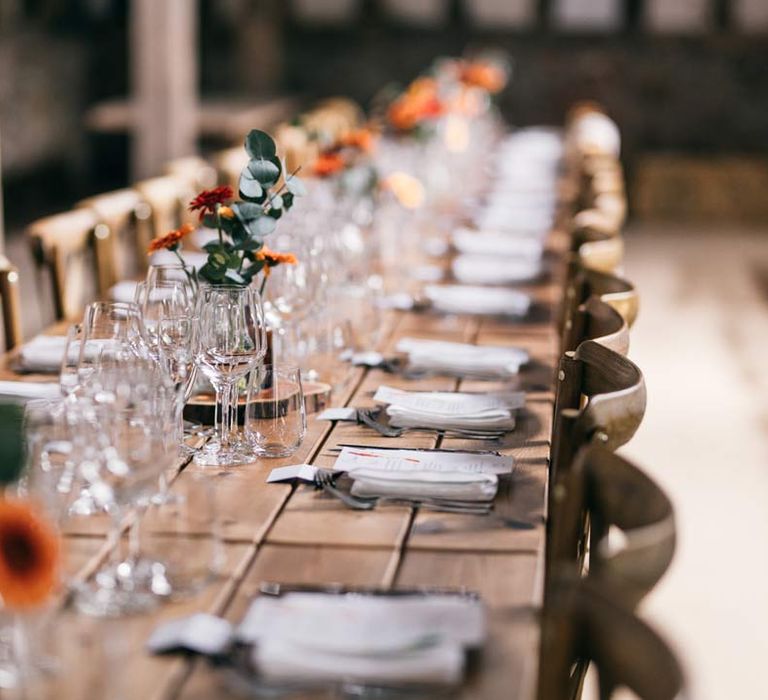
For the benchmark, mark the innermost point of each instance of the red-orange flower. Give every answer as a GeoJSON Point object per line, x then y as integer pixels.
{"type": "Point", "coordinates": [328, 163]}
{"type": "Point", "coordinates": [362, 139]}
{"type": "Point", "coordinates": [170, 240]}
{"type": "Point", "coordinates": [207, 200]}
{"type": "Point", "coordinates": [418, 103]}
{"type": "Point", "coordinates": [272, 258]}
{"type": "Point", "coordinates": [484, 75]}
{"type": "Point", "coordinates": [29, 555]}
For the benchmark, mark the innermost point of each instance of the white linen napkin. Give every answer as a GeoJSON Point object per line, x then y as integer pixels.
{"type": "Point", "coordinates": [123, 291]}
{"type": "Point", "coordinates": [528, 246]}
{"type": "Point", "coordinates": [467, 299]}
{"type": "Point", "coordinates": [191, 257]}
{"type": "Point", "coordinates": [456, 486]}
{"type": "Point", "coordinates": [325, 637]}
{"type": "Point", "coordinates": [490, 269]}
{"type": "Point", "coordinates": [44, 353]}
{"type": "Point", "coordinates": [462, 358]}
{"type": "Point", "coordinates": [29, 390]}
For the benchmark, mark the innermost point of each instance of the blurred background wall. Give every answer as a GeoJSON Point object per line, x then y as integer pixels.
{"type": "Point", "coordinates": [686, 80]}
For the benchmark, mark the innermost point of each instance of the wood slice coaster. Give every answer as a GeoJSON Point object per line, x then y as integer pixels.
{"type": "Point", "coordinates": [201, 408]}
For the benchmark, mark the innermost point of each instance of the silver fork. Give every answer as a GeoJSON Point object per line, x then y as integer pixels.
{"type": "Point", "coordinates": [326, 480]}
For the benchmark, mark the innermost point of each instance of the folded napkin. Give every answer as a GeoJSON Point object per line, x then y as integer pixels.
{"type": "Point", "coordinates": [326, 637]}
{"type": "Point", "coordinates": [450, 410]}
{"type": "Point", "coordinates": [44, 353]}
{"type": "Point", "coordinates": [123, 291]}
{"type": "Point", "coordinates": [191, 257]}
{"type": "Point", "coordinates": [415, 484]}
{"type": "Point", "coordinates": [29, 390]}
{"type": "Point", "coordinates": [466, 299]}
{"type": "Point", "coordinates": [528, 246]}
{"type": "Point", "coordinates": [462, 358]}
{"type": "Point", "coordinates": [489, 269]}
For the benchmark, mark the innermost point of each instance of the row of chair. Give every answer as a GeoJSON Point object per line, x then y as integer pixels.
{"type": "Point", "coordinates": [611, 529]}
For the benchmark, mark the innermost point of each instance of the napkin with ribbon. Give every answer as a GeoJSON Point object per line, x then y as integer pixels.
{"type": "Point", "coordinates": [450, 410]}
{"type": "Point", "coordinates": [44, 353]}
{"type": "Point", "coordinates": [466, 299]}
{"type": "Point", "coordinates": [490, 269]}
{"type": "Point", "coordinates": [324, 637]}
{"type": "Point", "coordinates": [462, 358]}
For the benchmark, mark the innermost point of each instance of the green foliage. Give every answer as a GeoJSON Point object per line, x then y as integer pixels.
{"type": "Point", "coordinates": [12, 444]}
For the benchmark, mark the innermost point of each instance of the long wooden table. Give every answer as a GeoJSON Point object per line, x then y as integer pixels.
{"type": "Point", "coordinates": [295, 534]}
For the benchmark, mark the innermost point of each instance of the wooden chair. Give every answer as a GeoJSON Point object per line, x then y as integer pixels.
{"type": "Point", "coordinates": [600, 398]}
{"type": "Point", "coordinates": [615, 291]}
{"type": "Point", "coordinates": [582, 624]}
{"type": "Point", "coordinates": [78, 259]}
{"type": "Point", "coordinates": [166, 197]}
{"type": "Point", "coordinates": [596, 320]}
{"type": "Point", "coordinates": [196, 174]}
{"type": "Point", "coordinates": [11, 303]}
{"type": "Point", "coordinates": [597, 249]}
{"type": "Point", "coordinates": [121, 214]}
{"type": "Point", "coordinates": [612, 495]}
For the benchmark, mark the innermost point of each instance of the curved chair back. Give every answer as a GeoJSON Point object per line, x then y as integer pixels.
{"type": "Point", "coordinates": [631, 521]}
{"type": "Point", "coordinates": [582, 624]}
{"type": "Point", "coordinates": [229, 163]}
{"type": "Point", "coordinates": [194, 175]}
{"type": "Point", "coordinates": [600, 397]}
{"type": "Point", "coordinates": [11, 303]}
{"type": "Point", "coordinates": [598, 321]}
{"type": "Point", "coordinates": [78, 261]}
{"type": "Point", "coordinates": [166, 198]}
{"type": "Point", "coordinates": [121, 214]}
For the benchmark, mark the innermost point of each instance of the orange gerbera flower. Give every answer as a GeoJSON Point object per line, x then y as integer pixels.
{"type": "Point", "coordinates": [170, 240]}
{"type": "Point", "coordinates": [328, 163]}
{"type": "Point", "coordinates": [483, 75]}
{"type": "Point", "coordinates": [29, 555]}
{"type": "Point", "coordinates": [272, 258]}
{"type": "Point", "coordinates": [418, 103]}
{"type": "Point", "coordinates": [207, 200]}
{"type": "Point", "coordinates": [361, 139]}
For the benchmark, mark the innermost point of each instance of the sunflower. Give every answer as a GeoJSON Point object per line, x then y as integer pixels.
{"type": "Point", "coordinates": [207, 201]}
{"type": "Point", "coordinates": [170, 240]}
{"type": "Point", "coordinates": [328, 163]}
{"type": "Point", "coordinates": [272, 258]}
{"type": "Point", "coordinates": [29, 555]}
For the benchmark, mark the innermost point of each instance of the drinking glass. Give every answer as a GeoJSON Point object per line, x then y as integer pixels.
{"type": "Point", "coordinates": [69, 380]}
{"type": "Point", "coordinates": [231, 342]}
{"type": "Point", "coordinates": [275, 415]}
{"type": "Point", "coordinates": [159, 274]}
{"type": "Point", "coordinates": [180, 536]}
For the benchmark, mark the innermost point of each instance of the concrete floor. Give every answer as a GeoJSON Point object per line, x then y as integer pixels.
{"type": "Point", "coordinates": [701, 341]}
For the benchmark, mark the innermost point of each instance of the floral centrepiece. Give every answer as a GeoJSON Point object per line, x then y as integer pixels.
{"type": "Point", "coordinates": [416, 107]}
{"type": "Point", "coordinates": [242, 225]}
{"type": "Point", "coordinates": [29, 555]}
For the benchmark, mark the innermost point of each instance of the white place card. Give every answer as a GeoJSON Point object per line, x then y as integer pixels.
{"type": "Point", "coordinates": [303, 472]}
{"type": "Point", "coordinates": [370, 458]}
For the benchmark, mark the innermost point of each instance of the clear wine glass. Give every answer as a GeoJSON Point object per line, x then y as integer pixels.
{"type": "Point", "coordinates": [231, 342]}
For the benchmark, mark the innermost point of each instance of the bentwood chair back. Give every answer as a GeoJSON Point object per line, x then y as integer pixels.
{"type": "Point", "coordinates": [11, 303]}
{"type": "Point", "coordinates": [596, 249]}
{"type": "Point", "coordinates": [77, 259]}
{"type": "Point", "coordinates": [583, 624]}
{"type": "Point", "coordinates": [121, 214]}
{"type": "Point", "coordinates": [631, 524]}
{"type": "Point", "coordinates": [229, 163]}
{"type": "Point", "coordinates": [166, 198]}
{"type": "Point", "coordinates": [194, 175]}
{"type": "Point", "coordinates": [596, 320]}
{"type": "Point", "coordinates": [600, 398]}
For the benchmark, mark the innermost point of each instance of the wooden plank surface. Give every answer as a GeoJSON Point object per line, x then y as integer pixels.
{"type": "Point", "coordinates": [295, 534]}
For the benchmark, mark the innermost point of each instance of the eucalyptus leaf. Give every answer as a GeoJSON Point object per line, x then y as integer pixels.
{"type": "Point", "coordinates": [287, 201]}
{"type": "Point", "coordinates": [266, 170]}
{"type": "Point", "coordinates": [295, 186]}
{"type": "Point", "coordinates": [211, 273]}
{"type": "Point", "coordinates": [247, 212]}
{"type": "Point", "coordinates": [235, 276]}
{"type": "Point", "coordinates": [250, 187]}
{"type": "Point", "coordinates": [262, 226]}
{"type": "Point", "coordinates": [12, 443]}
{"type": "Point", "coordinates": [259, 144]}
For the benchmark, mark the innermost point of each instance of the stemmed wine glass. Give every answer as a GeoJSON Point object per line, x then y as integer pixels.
{"type": "Point", "coordinates": [231, 342]}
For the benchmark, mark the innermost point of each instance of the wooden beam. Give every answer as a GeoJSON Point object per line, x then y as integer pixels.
{"type": "Point", "coordinates": [164, 72]}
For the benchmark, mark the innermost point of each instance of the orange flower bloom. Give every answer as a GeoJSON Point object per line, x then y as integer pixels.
{"type": "Point", "coordinates": [328, 163]}
{"type": "Point", "coordinates": [170, 240]}
{"type": "Point", "coordinates": [418, 103]}
{"type": "Point", "coordinates": [361, 139]}
{"type": "Point", "coordinates": [29, 555]}
{"type": "Point", "coordinates": [272, 258]}
{"type": "Point", "coordinates": [483, 75]}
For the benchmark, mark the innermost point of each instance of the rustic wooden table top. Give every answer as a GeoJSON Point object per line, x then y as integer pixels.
{"type": "Point", "coordinates": [294, 534]}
